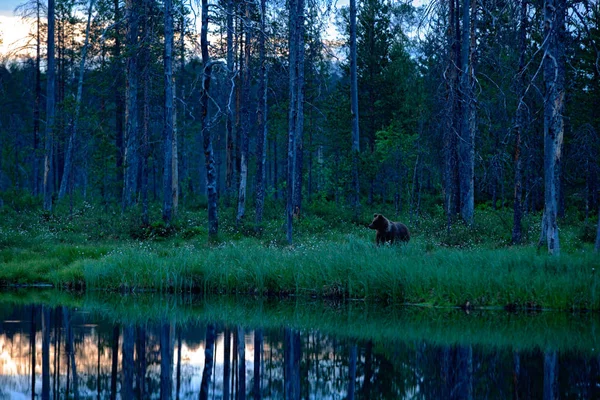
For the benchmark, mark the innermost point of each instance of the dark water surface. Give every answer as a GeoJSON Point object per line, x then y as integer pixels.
{"type": "Point", "coordinates": [54, 345]}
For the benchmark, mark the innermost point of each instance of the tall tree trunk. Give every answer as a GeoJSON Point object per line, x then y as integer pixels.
{"type": "Point", "coordinates": [299, 126]}
{"type": "Point", "coordinates": [554, 82]}
{"type": "Point", "coordinates": [261, 139]}
{"type": "Point", "coordinates": [119, 101]}
{"type": "Point", "coordinates": [451, 130]}
{"type": "Point", "coordinates": [467, 132]}
{"type": "Point", "coordinates": [354, 107]}
{"type": "Point", "coordinates": [68, 166]}
{"type": "Point", "coordinates": [50, 110]}
{"type": "Point", "coordinates": [209, 159]}
{"type": "Point", "coordinates": [517, 234]}
{"type": "Point", "coordinates": [132, 140]}
{"type": "Point", "coordinates": [229, 139]}
{"type": "Point", "coordinates": [168, 136]}
{"type": "Point", "coordinates": [292, 118]}
{"type": "Point", "coordinates": [245, 116]}
{"type": "Point", "coordinates": [144, 56]}
{"type": "Point", "coordinates": [36, 104]}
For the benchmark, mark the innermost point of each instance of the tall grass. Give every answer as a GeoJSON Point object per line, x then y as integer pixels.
{"type": "Point", "coordinates": [355, 268]}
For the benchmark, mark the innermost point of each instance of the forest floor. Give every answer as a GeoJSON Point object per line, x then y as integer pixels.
{"type": "Point", "coordinates": [91, 247]}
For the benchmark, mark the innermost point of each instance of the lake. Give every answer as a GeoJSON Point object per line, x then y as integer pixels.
{"type": "Point", "coordinates": [105, 345]}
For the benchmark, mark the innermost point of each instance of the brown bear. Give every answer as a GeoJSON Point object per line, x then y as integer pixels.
{"type": "Point", "coordinates": [388, 231]}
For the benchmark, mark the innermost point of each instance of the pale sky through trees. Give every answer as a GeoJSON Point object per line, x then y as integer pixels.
{"type": "Point", "coordinates": [13, 30]}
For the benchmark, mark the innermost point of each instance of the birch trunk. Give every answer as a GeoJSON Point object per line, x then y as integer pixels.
{"type": "Point", "coordinates": [209, 158]}
{"type": "Point", "coordinates": [50, 110]}
{"type": "Point", "coordinates": [168, 136]}
{"type": "Point", "coordinates": [554, 82]}
{"type": "Point", "coordinates": [68, 167]}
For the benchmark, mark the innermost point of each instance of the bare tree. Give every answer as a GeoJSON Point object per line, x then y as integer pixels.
{"type": "Point", "coordinates": [68, 166]}
{"type": "Point", "coordinates": [209, 158]}
{"type": "Point", "coordinates": [554, 98]}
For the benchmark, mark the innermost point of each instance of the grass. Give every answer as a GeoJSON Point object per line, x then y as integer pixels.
{"type": "Point", "coordinates": [471, 267]}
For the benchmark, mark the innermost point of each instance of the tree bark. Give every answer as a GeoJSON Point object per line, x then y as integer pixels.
{"type": "Point", "coordinates": [292, 118]}
{"type": "Point", "coordinates": [36, 104]}
{"type": "Point", "coordinates": [299, 126]}
{"type": "Point", "coordinates": [132, 140]}
{"type": "Point", "coordinates": [517, 234]}
{"type": "Point", "coordinates": [168, 130]}
{"type": "Point", "coordinates": [467, 132]}
{"type": "Point", "coordinates": [68, 166]}
{"type": "Point", "coordinates": [554, 82]}
{"type": "Point", "coordinates": [229, 139]}
{"type": "Point", "coordinates": [245, 116]}
{"type": "Point", "coordinates": [209, 159]}
{"type": "Point", "coordinates": [50, 110]}
{"type": "Point", "coordinates": [145, 128]}
{"type": "Point", "coordinates": [119, 101]}
{"type": "Point", "coordinates": [354, 107]}
{"type": "Point", "coordinates": [261, 140]}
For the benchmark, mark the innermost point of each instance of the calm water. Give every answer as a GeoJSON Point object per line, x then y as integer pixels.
{"type": "Point", "coordinates": [155, 347]}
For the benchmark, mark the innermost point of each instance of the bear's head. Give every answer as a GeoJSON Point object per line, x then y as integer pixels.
{"type": "Point", "coordinates": [379, 223]}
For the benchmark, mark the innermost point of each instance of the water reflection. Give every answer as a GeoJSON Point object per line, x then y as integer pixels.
{"type": "Point", "coordinates": [59, 352]}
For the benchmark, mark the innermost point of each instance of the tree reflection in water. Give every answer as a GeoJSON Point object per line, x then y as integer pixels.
{"type": "Point", "coordinates": [80, 357]}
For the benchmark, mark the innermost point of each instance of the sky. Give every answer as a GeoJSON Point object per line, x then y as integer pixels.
{"type": "Point", "coordinates": [13, 30]}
